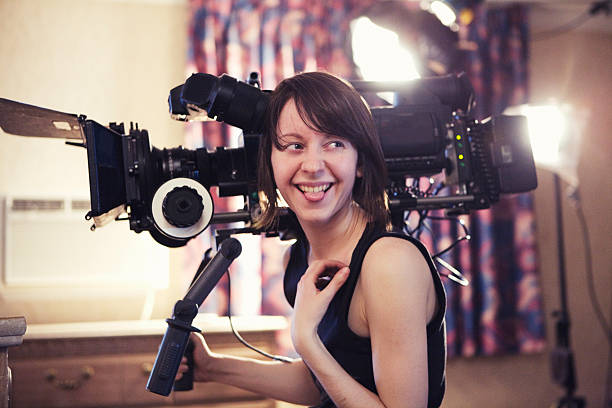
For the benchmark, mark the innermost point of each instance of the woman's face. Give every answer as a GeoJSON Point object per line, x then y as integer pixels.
{"type": "Point", "coordinates": [313, 171]}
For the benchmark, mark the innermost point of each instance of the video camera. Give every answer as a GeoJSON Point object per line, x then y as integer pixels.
{"type": "Point", "coordinates": [427, 131]}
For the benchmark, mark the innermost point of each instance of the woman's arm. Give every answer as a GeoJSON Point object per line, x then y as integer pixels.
{"type": "Point", "coordinates": [399, 299]}
{"type": "Point", "coordinates": [289, 382]}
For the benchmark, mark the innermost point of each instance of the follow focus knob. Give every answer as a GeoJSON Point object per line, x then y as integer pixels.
{"type": "Point", "coordinates": [182, 207]}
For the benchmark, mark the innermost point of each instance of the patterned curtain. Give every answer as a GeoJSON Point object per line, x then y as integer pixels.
{"type": "Point", "coordinates": [501, 309]}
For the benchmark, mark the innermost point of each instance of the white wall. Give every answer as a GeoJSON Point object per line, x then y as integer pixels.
{"type": "Point", "coordinates": [112, 61]}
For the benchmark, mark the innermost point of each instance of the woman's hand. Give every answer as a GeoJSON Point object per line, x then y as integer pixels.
{"type": "Point", "coordinates": [311, 303]}
{"type": "Point", "coordinates": [202, 360]}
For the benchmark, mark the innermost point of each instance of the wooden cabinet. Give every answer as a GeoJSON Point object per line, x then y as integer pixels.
{"type": "Point", "coordinates": [107, 364]}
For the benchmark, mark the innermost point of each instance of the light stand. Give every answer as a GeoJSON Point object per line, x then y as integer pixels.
{"type": "Point", "coordinates": [562, 357]}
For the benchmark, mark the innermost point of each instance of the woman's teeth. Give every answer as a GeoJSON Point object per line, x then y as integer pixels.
{"type": "Point", "coordinates": [314, 189]}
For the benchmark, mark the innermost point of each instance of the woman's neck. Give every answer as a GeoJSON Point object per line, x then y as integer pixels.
{"type": "Point", "coordinates": [337, 239]}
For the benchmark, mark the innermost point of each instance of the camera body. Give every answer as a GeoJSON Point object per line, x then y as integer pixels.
{"type": "Point", "coordinates": [427, 131]}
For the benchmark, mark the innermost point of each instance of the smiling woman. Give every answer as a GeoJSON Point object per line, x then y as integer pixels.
{"type": "Point", "coordinates": [322, 106]}
{"type": "Point", "coordinates": [347, 278]}
{"type": "Point", "coordinates": [314, 172]}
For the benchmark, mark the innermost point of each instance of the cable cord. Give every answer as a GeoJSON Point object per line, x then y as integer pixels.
{"type": "Point", "coordinates": [454, 275]}
{"type": "Point", "coordinates": [238, 336]}
{"type": "Point", "coordinates": [588, 260]}
{"type": "Point", "coordinates": [574, 197]}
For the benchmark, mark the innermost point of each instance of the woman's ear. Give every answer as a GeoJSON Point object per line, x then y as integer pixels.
{"type": "Point", "coordinates": [359, 172]}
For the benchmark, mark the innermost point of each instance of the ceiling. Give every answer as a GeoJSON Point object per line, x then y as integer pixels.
{"type": "Point", "coordinates": [547, 15]}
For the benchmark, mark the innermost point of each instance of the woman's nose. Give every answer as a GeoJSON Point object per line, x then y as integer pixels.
{"type": "Point", "coordinates": [313, 162]}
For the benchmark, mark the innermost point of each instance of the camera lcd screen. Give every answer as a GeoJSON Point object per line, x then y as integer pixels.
{"type": "Point", "coordinates": [105, 160]}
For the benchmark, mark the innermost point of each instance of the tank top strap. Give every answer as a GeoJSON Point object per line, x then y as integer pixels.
{"type": "Point", "coordinates": [298, 263]}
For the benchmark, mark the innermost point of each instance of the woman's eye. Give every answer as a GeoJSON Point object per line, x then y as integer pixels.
{"type": "Point", "coordinates": [336, 144]}
{"type": "Point", "coordinates": [293, 146]}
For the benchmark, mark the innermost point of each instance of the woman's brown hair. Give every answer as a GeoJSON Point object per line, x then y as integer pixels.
{"type": "Point", "coordinates": [328, 105]}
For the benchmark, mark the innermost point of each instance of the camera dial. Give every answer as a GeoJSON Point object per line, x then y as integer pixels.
{"type": "Point", "coordinates": [182, 208]}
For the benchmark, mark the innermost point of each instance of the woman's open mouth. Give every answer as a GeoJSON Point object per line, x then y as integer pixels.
{"type": "Point", "coordinates": [314, 192]}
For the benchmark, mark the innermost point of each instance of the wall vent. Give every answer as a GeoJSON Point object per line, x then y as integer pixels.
{"type": "Point", "coordinates": [26, 204]}
{"type": "Point", "coordinates": [48, 243]}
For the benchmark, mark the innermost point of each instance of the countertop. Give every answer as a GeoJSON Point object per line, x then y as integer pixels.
{"type": "Point", "coordinates": [209, 323]}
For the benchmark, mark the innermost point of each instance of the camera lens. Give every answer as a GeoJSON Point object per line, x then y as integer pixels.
{"type": "Point", "coordinates": [182, 207]}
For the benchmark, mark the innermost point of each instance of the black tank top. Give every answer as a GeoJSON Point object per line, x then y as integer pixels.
{"type": "Point", "coordinates": [353, 352]}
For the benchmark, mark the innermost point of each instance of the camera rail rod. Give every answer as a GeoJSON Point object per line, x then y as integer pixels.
{"type": "Point", "coordinates": [431, 203]}
{"type": "Point", "coordinates": [455, 201]}
{"type": "Point", "coordinates": [234, 216]}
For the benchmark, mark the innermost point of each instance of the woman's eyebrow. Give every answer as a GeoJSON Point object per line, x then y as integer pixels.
{"type": "Point", "coordinates": [282, 136]}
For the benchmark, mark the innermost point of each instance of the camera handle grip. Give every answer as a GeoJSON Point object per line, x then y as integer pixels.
{"type": "Point", "coordinates": [175, 340]}
{"type": "Point", "coordinates": [185, 383]}
{"type": "Point", "coordinates": [172, 348]}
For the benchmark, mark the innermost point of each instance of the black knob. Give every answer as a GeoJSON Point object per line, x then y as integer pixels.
{"type": "Point", "coordinates": [182, 207]}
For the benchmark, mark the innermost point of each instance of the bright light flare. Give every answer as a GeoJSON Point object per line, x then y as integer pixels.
{"type": "Point", "coordinates": [444, 12]}
{"type": "Point", "coordinates": [554, 132]}
{"type": "Point", "coordinates": [378, 54]}
{"type": "Point", "coordinates": [547, 128]}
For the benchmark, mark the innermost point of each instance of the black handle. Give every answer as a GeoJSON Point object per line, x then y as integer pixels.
{"type": "Point", "coordinates": [186, 381]}
{"type": "Point", "coordinates": [175, 340]}
{"type": "Point", "coordinates": [168, 359]}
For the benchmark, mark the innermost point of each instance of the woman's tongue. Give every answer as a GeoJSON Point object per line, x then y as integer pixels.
{"type": "Point", "coordinates": [313, 196]}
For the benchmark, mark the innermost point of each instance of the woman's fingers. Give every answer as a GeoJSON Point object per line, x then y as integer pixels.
{"type": "Point", "coordinates": [321, 273]}
{"type": "Point", "coordinates": [335, 283]}
{"type": "Point", "coordinates": [182, 369]}
{"type": "Point", "coordinates": [340, 276]}
{"type": "Point", "coordinates": [334, 274]}
{"type": "Point", "coordinates": [322, 268]}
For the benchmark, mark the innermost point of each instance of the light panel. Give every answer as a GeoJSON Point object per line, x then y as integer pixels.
{"type": "Point", "coordinates": [378, 53]}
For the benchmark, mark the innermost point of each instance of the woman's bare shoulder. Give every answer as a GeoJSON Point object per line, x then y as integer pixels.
{"type": "Point", "coordinates": [396, 264]}
{"type": "Point", "coordinates": [391, 252]}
